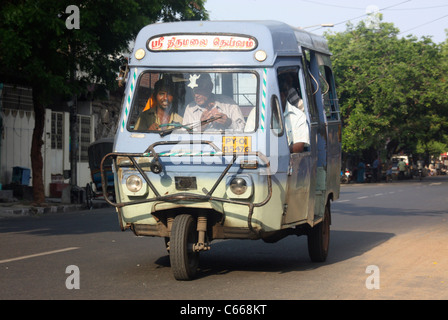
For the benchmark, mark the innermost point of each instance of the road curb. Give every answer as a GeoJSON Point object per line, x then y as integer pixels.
{"type": "Point", "coordinates": [59, 208]}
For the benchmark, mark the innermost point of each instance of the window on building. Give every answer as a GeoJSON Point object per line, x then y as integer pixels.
{"type": "Point", "coordinates": [84, 137]}
{"type": "Point", "coordinates": [56, 130]}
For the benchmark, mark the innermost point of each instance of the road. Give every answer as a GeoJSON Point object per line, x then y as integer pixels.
{"type": "Point", "coordinates": [388, 241]}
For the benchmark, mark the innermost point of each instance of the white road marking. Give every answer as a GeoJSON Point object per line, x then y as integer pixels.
{"type": "Point", "coordinates": [387, 193]}
{"type": "Point", "coordinates": [38, 254]}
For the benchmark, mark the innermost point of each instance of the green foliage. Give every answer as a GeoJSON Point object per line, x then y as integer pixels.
{"type": "Point", "coordinates": [39, 50]}
{"type": "Point", "coordinates": [392, 91]}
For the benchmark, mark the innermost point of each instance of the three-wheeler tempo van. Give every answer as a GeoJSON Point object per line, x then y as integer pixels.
{"type": "Point", "coordinates": [228, 130]}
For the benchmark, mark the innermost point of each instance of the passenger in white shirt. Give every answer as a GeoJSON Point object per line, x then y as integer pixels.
{"type": "Point", "coordinates": [222, 111]}
{"type": "Point", "coordinates": [296, 126]}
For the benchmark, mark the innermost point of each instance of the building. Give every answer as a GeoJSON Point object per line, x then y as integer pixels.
{"type": "Point", "coordinates": [95, 120]}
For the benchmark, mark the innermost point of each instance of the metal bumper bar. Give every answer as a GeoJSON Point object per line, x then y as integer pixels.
{"type": "Point", "coordinates": [186, 196]}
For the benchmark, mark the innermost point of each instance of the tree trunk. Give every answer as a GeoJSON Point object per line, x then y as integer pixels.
{"type": "Point", "coordinates": [36, 147]}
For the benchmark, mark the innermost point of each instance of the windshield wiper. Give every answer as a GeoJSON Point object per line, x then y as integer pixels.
{"type": "Point", "coordinates": [202, 122]}
{"type": "Point", "coordinates": [176, 126]}
{"type": "Point", "coordinates": [189, 128]}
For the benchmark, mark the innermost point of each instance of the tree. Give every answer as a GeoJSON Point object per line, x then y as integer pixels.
{"type": "Point", "coordinates": [392, 90]}
{"type": "Point", "coordinates": [38, 50]}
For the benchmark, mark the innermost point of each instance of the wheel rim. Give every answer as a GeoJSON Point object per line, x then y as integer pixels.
{"type": "Point", "coordinates": [192, 256]}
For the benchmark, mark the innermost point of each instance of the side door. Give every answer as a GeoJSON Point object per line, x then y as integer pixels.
{"type": "Point", "coordinates": [333, 123]}
{"type": "Point", "coordinates": [295, 111]}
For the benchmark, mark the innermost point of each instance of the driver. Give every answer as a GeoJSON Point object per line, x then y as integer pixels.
{"type": "Point", "coordinates": [215, 112]}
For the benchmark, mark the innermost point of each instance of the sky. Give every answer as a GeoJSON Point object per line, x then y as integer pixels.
{"type": "Point", "coordinates": [416, 17]}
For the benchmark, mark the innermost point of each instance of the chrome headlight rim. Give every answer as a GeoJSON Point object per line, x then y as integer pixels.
{"type": "Point", "coordinates": [134, 183]}
{"type": "Point", "coordinates": [246, 190]}
{"type": "Point", "coordinates": [238, 185]}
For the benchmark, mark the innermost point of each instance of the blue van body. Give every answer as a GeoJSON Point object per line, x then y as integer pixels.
{"type": "Point", "coordinates": [228, 183]}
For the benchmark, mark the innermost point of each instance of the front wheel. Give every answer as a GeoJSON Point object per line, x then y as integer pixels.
{"type": "Point", "coordinates": [184, 261]}
{"type": "Point", "coordinates": [319, 238]}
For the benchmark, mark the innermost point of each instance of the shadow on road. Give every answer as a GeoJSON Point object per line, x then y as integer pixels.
{"type": "Point", "coordinates": [289, 254]}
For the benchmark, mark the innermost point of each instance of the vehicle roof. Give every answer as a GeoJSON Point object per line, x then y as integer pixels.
{"type": "Point", "coordinates": [275, 38]}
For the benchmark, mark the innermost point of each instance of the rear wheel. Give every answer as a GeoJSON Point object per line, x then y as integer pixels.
{"type": "Point", "coordinates": [184, 261]}
{"type": "Point", "coordinates": [319, 238]}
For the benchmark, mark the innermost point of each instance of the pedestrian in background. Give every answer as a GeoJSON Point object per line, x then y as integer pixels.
{"type": "Point", "coordinates": [401, 169]}
{"type": "Point", "coordinates": [361, 171]}
{"type": "Point", "coordinates": [375, 168]}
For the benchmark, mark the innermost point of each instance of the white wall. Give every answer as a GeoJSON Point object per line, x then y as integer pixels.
{"type": "Point", "coordinates": [18, 129]}
{"type": "Point", "coordinates": [15, 142]}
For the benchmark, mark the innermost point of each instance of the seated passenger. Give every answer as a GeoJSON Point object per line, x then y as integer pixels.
{"type": "Point", "coordinates": [296, 123]}
{"type": "Point", "coordinates": [159, 109]}
{"type": "Point", "coordinates": [250, 123]}
{"type": "Point", "coordinates": [296, 126]}
{"type": "Point", "coordinates": [297, 129]}
{"type": "Point", "coordinates": [221, 111]}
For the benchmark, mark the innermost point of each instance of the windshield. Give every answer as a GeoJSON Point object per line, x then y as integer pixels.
{"type": "Point", "coordinates": [193, 101]}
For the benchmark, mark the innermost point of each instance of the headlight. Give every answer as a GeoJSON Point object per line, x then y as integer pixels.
{"type": "Point", "coordinates": [134, 183]}
{"type": "Point", "coordinates": [238, 186]}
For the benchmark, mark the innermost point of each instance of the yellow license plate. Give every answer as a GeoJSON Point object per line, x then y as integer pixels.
{"type": "Point", "coordinates": [232, 144]}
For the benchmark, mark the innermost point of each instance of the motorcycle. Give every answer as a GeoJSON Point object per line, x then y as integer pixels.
{"type": "Point", "coordinates": [420, 169]}
{"type": "Point", "coordinates": [346, 176]}
{"type": "Point", "coordinates": [368, 174]}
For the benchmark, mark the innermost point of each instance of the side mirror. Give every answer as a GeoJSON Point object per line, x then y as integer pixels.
{"type": "Point", "coordinates": [123, 73]}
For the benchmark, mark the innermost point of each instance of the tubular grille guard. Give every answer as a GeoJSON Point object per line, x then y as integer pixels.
{"type": "Point", "coordinates": [182, 196]}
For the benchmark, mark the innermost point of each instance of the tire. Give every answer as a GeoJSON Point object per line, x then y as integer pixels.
{"type": "Point", "coordinates": [184, 262]}
{"type": "Point", "coordinates": [319, 238]}
{"type": "Point", "coordinates": [89, 196]}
